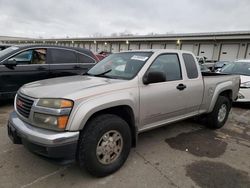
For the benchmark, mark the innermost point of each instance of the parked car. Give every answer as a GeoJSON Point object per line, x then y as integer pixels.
{"type": "Point", "coordinates": [242, 68]}
{"type": "Point", "coordinates": [220, 64]}
{"type": "Point", "coordinates": [22, 64]}
{"type": "Point", "coordinates": [96, 118]}
{"type": "Point", "coordinates": [4, 46]}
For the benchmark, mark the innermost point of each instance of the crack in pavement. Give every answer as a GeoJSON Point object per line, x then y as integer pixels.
{"type": "Point", "coordinates": [46, 176]}
{"type": "Point", "coordinates": [157, 169]}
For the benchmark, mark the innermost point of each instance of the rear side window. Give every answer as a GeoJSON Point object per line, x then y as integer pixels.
{"type": "Point", "coordinates": [85, 59]}
{"type": "Point", "coordinates": [190, 64]}
{"type": "Point", "coordinates": [63, 56]}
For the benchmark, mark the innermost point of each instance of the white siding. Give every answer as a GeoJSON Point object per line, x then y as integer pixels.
{"type": "Point", "coordinates": [144, 46]}
{"type": "Point", "coordinates": [115, 47]}
{"type": "Point", "coordinates": [170, 46]}
{"type": "Point", "coordinates": [229, 52]}
{"type": "Point", "coordinates": [100, 47]}
{"type": "Point", "coordinates": [107, 47]}
{"type": "Point", "coordinates": [81, 45]}
{"type": "Point", "coordinates": [93, 47]}
{"type": "Point", "coordinates": [133, 46]}
{"type": "Point", "coordinates": [188, 47]}
{"type": "Point", "coordinates": [123, 47]}
{"type": "Point", "coordinates": [248, 52]}
{"type": "Point", "coordinates": [158, 46]}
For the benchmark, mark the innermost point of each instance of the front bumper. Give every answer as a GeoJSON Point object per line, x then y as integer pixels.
{"type": "Point", "coordinates": [44, 142]}
{"type": "Point", "coordinates": [244, 95]}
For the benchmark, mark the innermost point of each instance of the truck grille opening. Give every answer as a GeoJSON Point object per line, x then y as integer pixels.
{"type": "Point", "coordinates": [23, 105]}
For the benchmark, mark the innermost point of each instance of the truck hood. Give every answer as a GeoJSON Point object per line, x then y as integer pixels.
{"type": "Point", "coordinates": [65, 86]}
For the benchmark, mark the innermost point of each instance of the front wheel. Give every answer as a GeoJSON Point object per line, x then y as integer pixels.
{"type": "Point", "coordinates": [218, 117]}
{"type": "Point", "coordinates": [104, 145]}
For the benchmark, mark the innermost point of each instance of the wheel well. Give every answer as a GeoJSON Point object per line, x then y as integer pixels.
{"type": "Point", "coordinates": [227, 93]}
{"type": "Point", "coordinates": [126, 113]}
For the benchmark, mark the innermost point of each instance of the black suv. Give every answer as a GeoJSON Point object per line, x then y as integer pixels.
{"type": "Point", "coordinates": [23, 64]}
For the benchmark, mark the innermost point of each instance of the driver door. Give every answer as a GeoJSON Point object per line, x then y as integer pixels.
{"type": "Point", "coordinates": [162, 102]}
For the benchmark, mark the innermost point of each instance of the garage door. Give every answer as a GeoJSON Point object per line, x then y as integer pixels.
{"type": "Point", "coordinates": [115, 47]}
{"type": "Point", "coordinates": [81, 45]}
{"type": "Point", "coordinates": [86, 45]}
{"type": "Point", "coordinates": [107, 47]}
{"type": "Point", "coordinates": [123, 47]}
{"type": "Point", "coordinates": [229, 52]}
{"type": "Point", "coordinates": [187, 47]}
{"type": "Point", "coordinates": [170, 46]}
{"type": "Point", "coordinates": [133, 46]}
{"type": "Point", "coordinates": [100, 47]}
{"type": "Point", "coordinates": [248, 52]}
{"type": "Point", "coordinates": [93, 47]}
{"type": "Point", "coordinates": [144, 46]}
{"type": "Point", "coordinates": [207, 51]}
{"type": "Point", "coordinates": [158, 46]}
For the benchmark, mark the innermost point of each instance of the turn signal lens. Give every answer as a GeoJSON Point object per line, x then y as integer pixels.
{"type": "Point", "coordinates": [66, 104]}
{"type": "Point", "coordinates": [62, 122]}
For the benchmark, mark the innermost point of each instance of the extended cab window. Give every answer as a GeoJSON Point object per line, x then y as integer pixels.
{"type": "Point", "coordinates": [34, 56]}
{"type": "Point", "coordinates": [85, 59]}
{"type": "Point", "coordinates": [190, 64]}
{"type": "Point", "coordinates": [168, 64]}
{"type": "Point", "coordinates": [59, 56]}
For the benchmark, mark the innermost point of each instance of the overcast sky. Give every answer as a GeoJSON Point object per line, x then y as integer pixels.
{"type": "Point", "coordinates": [83, 18]}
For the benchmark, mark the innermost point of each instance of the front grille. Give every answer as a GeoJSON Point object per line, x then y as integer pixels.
{"type": "Point", "coordinates": [23, 105]}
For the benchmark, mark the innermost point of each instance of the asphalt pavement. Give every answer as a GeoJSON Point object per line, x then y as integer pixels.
{"type": "Point", "coordinates": [184, 154]}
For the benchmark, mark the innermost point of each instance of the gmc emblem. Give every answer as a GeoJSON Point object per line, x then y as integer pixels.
{"type": "Point", "coordinates": [19, 103]}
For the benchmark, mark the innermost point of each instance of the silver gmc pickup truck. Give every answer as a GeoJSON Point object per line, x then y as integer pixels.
{"type": "Point", "coordinates": [97, 117]}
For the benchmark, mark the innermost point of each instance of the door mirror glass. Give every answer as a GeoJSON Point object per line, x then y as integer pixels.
{"type": "Point", "coordinates": [154, 77]}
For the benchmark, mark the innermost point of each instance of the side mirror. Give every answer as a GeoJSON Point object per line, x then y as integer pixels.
{"type": "Point", "coordinates": [10, 63]}
{"type": "Point", "coordinates": [154, 77]}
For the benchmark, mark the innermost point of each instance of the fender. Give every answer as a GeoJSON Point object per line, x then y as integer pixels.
{"type": "Point", "coordinates": [90, 106]}
{"type": "Point", "coordinates": [218, 90]}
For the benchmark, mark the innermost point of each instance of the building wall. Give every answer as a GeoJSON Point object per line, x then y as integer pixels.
{"type": "Point", "coordinates": [221, 47]}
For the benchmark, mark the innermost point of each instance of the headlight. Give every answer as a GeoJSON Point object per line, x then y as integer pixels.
{"type": "Point", "coordinates": [245, 85]}
{"type": "Point", "coordinates": [56, 121]}
{"type": "Point", "coordinates": [50, 121]}
{"type": "Point", "coordinates": [55, 103]}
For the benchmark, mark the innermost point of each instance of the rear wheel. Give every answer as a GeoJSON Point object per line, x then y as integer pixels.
{"type": "Point", "coordinates": [104, 145]}
{"type": "Point", "coordinates": [218, 117]}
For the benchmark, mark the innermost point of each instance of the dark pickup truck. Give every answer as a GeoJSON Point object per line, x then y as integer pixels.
{"type": "Point", "coordinates": [27, 63]}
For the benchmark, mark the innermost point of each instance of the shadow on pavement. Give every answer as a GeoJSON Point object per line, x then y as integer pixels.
{"type": "Point", "coordinates": [242, 105]}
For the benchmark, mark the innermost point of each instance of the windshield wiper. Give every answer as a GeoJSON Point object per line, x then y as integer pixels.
{"type": "Point", "coordinates": [100, 74]}
{"type": "Point", "coordinates": [103, 73]}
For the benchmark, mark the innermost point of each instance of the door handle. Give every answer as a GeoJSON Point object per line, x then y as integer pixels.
{"type": "Point", "coordinates": [41, 68]}
{"type": "Point", "coordinates": [181, 87]}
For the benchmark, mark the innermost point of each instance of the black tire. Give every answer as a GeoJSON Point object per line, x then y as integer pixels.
{"type": "Point", "coordinates": [212, 119]}
{"type": "Point", "coordinates": [90, 137]}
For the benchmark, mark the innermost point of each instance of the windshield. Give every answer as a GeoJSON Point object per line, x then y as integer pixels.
{"type": "Point", "coordinates": [123, 65]}
{"type": "Point", "coordinates": [8, 50]}
{"type": "Point", "coordinates": [239, 68]}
